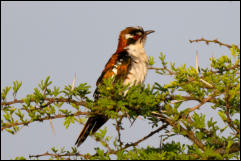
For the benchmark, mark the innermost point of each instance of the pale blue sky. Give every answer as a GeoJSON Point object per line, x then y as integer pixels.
{"type": "Point", "coordinates": [60, 38]}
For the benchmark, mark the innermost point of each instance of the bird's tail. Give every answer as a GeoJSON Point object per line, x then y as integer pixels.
{"type": "Point", "coordinates": [91, 126]}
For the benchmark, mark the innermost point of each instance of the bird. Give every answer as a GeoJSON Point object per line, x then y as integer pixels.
{"type": "Point", "coordinates": [129, 63]}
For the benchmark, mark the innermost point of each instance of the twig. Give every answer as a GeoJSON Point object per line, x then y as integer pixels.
{"type": "Point", "coordinates": [51, 100]}
{"type": "Point", "coordinates": [202, 102]}
{"type": "Point", "coordinates": [109, 148]}
{"type": "Point", "coordinates": [50, 120]}
{"type": "Point", "coordinates": [185, 98]}
{"type": "Point", "coordinates": [169, 71]}
{"type": "Point", "coordinates": [235, 147]}
{"type": "Point", "coordinates": [45, 118]}
{"type": "Point", "coordinates": [214, 41]}
{"type": "Point", "coordinates": [229, 120]}
{"type": "Point", "coordinates": [118, 126]}
{"type": "Point", "coordinates": [146, 137]}
{"type": "Point", "coordinates": [59, 155]}
{"type": "Point", "coordinates": [188, 133]}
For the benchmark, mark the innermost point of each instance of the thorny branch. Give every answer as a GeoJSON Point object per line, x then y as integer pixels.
{"type": "Point", "coordinates": [65, 100]}
{"type": "Point", "coordinates": [111, 151]}
{"type": "Point", "coordinates": [235, 147]}
{"type": "Point", "coordinates": [203, 102]}
{"type": "Point", "coordinates": [229, 120]}
{"type": "Point", "coordinates": [45, 118]}
{"type": "Point", "coordinates": [168, 70]}
{"type": "Point", "coordinates": [146, 137]}
{"type": "Point", "coordinates": [188, 133]}
{"type": "Point", "coordinates": [59, 155]}
{"type": "Point", "coordinates": [214, 41]}
{"type": "Point", "coordinates": [50, 101]}
{"type": "Point", "coordinates": [118, 128]}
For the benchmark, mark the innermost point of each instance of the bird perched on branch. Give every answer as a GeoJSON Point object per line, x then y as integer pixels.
{"type": "Point", "coordinates": [128, 63]}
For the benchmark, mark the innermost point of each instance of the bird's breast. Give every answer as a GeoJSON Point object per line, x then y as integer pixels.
{"type": "Point", "coordinates": [137, 71]}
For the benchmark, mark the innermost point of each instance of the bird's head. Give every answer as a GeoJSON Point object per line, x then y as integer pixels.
{"type": "Point", "coordinates": [132, 35]}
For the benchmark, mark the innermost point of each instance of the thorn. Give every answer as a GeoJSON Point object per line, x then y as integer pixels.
{"type": "Point", "coordinates": [52, 126]}
{"type": "Point", "coordinates": [208, 84]}
{"type": "Point", "coordinates": [176, 101]}
{"type": "Point", "coordinates": [73, 82]}
{"type": "Point", "coordinates": [211, 61]}
{"type": "Point", "coordinates": [197, 62]}
{"type": "Point", "coordinates": [50, 120]}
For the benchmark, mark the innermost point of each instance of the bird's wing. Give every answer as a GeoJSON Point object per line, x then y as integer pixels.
{"type": "Point", "coordinates": [117, 67]}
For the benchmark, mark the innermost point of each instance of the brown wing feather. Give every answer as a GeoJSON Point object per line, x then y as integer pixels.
{"type": "Point", "coordinates": [124, 61]}
{"type": "Point", "coordinates": [107, 72]}
{"type": "Point", "coordinates": [122, 70]}
{"type": "Point", "coordinates": [122, 64]}
{"type": "Point", "coordinates": [91, 126]}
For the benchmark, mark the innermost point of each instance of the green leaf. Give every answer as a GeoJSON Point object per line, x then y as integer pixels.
{"type": "Point", "coordinates": [68, 120]}
{"type": "Point", "coordinates": [10, 131]}
{"type": "Point", "coordinates": [151, 60]}
{"type": "Point", "coordinates": [16, 86]}
{"type": "Point", "coordinates": [20, 158]}
{"type": "Point", "coordinates": [5, 92]}
{"type": "Point", "coordinates": [54, 150]}
{"type": "Point", "coordinates": [222, 115]}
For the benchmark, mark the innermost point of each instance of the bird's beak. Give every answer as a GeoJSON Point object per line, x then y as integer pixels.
{"type": "Point", "coordinates": [143, 38]}
{"type": "Point", "coordinates": [149, 31]}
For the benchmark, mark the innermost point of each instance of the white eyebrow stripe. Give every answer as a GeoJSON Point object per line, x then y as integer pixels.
{"type": "Point", "coordinates": [127, 36]}
{"type": "Point", "coordinates": [139, 27]}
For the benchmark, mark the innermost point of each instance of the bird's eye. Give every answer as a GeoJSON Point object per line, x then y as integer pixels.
{"type": "Point", "coordinates": [136, 37]}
